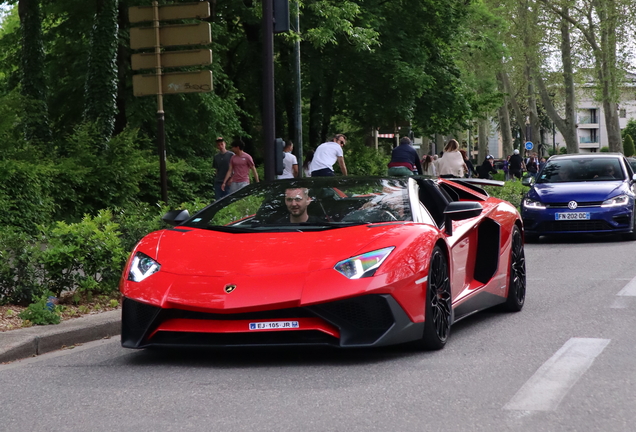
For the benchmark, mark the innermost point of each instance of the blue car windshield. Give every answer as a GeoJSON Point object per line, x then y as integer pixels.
{"type": "Point", "coordinates": [581, 169]}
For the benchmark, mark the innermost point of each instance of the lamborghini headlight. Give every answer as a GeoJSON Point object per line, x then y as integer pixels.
{"type": "Point", "coordinates": [363, 265]}
{"type": "Point", "coordinates": [141, 267]}
{"type": "Point", "coordinates": [532, 204]}
{"type": "Point", "coordinates": [616, 201]}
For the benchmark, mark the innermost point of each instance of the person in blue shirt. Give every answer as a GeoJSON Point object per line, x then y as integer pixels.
{"type": "Point", "coordinates": [404, 160]}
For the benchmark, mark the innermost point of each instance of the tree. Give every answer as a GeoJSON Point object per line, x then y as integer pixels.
{"type": "Point", "coordinates": [101, 80]}
{"type": "Point", "coordinates": [33, 80]}
{"type": "Point", "coordinates": [599, 22]}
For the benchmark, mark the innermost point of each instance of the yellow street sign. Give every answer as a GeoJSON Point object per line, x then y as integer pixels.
{"type": "Point", "coordinates": [172, 59]}
{"type": "Point", "coordinates": [170, 12]}
{"type": "Point", "coordinates": [177, 82]}
{"type": "Point", "coordinates": [182, 34]}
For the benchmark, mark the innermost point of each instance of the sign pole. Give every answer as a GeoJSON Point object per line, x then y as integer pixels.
{"type": "Point", "coordinates": [269, 107]}
{"type": "Point", "coordinates": [161, 133]}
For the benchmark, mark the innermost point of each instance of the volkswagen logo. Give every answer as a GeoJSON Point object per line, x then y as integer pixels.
{"type": "Point", "coordinates": [229, 288]}
{"type": "Point", "coordinates": [572, 205]}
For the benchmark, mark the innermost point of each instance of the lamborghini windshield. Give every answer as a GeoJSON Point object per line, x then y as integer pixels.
{"type": "Point", "coordinates": [321, 203]}
{"type": "Point", "coordinates": [580, 169]}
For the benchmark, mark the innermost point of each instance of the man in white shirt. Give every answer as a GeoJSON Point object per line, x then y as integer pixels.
{"type": "Point", "coordinates": [290, 163]}
{"type": "Point", "coordinates": [326, 155]}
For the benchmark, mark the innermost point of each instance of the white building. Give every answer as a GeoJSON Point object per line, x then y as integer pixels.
{"type": "Point", "coordinates": [591, 129]}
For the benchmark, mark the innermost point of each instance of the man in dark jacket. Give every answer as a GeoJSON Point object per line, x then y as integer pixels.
{"type": "Point", "coordinates": [405, 160]}
{"type": "Point", "coordinates": [487, 168]}
{"type": "Point", "coordinates": [515, 165]}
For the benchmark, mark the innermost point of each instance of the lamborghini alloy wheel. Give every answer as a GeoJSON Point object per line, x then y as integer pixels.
{"type": "Point", "coordinates": [438, 314]}
{"type": "Point", "coordinates": [517, 279]}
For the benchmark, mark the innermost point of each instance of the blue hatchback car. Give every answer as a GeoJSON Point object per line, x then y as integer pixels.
{"type": "Point", "coordinates": [582, 193]}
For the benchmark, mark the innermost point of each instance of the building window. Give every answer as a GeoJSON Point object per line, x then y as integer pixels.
{"type": "Point", "coordinates": [622, 113]}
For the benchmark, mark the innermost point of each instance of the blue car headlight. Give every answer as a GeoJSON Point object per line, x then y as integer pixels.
{"type": "Point", "coordinates": [532, 204]}
{"type": "Point", "coordinates": [616, 201]}
{"type": "Point", "coordinates": [141, 267]}
{"type": "Point", "coordinates": [363, 265]}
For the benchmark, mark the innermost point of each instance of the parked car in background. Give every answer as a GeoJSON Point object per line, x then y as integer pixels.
{"type": "Point", "coordinates": [582, 194]}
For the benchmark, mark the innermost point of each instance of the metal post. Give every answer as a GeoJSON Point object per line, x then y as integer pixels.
{"type": "Point", "coordinates": [161, 134]}
{"type": "Point", "coordinates": [269, 107]}
{"type": "Point", "coordinates": [298, 114]}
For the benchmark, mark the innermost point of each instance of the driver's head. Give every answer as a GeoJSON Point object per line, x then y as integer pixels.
{"type": "Point", "coordinates": [608, 170]}
{"type": "Point", "coordinates": [566, 172]}
{"type": "Point", "coordinates": [297, 200]}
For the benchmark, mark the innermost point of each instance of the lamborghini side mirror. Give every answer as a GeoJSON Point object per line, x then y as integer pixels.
{"type": "Point", "coordinates": [175, 217]}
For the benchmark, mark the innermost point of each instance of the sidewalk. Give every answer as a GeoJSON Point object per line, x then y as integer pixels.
{"type": "Point", "coordinates": [36, 340]}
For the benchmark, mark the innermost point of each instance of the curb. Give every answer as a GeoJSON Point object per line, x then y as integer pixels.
{"type": "Point", "coordinates": [33, 341]}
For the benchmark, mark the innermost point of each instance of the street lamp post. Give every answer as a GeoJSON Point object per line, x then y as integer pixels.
{"type": "Point", "coordinates": [553, 139]}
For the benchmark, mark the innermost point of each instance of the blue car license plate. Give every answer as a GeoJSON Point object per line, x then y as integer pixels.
{"type": "Point", "coordinates": [572, 216]}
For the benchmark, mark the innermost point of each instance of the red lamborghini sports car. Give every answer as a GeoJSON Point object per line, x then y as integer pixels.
{"type": "Point", "coordinates": [340, 261]}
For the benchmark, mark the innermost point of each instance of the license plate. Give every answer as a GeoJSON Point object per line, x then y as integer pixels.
{"type": "Point", "coordinates": [273, 325]}
{"type": "Point", "coordinates": [572, 216]}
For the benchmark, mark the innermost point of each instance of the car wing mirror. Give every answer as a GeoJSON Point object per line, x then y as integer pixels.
{"type": "Point", "coordinates": [175, 217]}
{"type": "Point", "coordinates": [460, 210]}
{"type": "Point", "coordinates": [527, 181]}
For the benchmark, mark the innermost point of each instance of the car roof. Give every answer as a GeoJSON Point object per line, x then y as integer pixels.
{"type": "Point", "coordinates": [594, 155]}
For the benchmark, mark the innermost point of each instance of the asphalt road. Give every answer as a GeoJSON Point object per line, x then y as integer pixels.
{"type": "Point", "coordinates": [567, 362]}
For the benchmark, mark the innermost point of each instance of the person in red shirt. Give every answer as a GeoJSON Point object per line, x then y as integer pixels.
{"type": "Point", "coordinates": [238, 176]}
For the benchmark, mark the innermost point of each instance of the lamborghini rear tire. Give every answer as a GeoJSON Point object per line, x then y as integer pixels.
{"type": "Point", "coordinates": [438, 306]}
{"type": "Point", "coordinates": [517, 278]}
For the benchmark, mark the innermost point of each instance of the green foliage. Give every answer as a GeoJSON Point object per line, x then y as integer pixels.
{"type": "Point", "coordinates": [605, 149]}
{"type": "Point", "coordinates": [564, 150]}
{"type": "Point", "coordinates": [362, 160]}
{"type": "Point", "coordinates": [628, 145]}
{"type": "Point", "coordinates": [20, 273]}
{"type": "Point", "coordinates": [630, 129]}
{"type": "Point", "coordinates": [26, 194]}
{"type": "Point", "coordinates": [90, 178]}
{"type": "Point", "coordinates": [39, 314]}
{"type": "Point", "coordinates": [511, 191]}
{"type": "Point", "coordinates": [85, 256]}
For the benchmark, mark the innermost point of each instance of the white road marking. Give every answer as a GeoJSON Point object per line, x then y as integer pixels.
{"type": "Point", "coordinates": [620, 303]}
{"type": "Point", "coordinates": [629, 289]}
{"type": "Point", "coordinates": [419, 281]}
{"type": "Point", "coordinates": [554, 379]}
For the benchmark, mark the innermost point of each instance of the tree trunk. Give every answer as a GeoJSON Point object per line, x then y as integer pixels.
{"type": "Point", "coordinates": [504, 120]}
{"type": "Point", "coordinates": [33, 81]}
{"type": "Point", "coordinates": [566, 126]}
{"type": "Point", "coordinates": [520, 117]}
{"type": "Point", "coordinates": [482, 127]}
{"type": "Point", "coordinates": [101, 79]}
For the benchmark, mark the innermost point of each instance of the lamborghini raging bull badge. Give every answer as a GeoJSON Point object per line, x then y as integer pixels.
{"type": "Point", "coordinates": [229, 288]}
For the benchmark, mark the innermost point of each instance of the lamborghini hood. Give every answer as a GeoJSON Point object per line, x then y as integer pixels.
{"type": "Point", "coordinates": [211, 253]}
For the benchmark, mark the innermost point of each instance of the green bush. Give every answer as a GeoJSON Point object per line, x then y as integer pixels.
{"type": "Point", "coordinates": [628, 145]}
{"type": "Point", "coordinates": [511, 191]}
{"type": "Point", "coordinates": [26, 196]}
{"type": "Point", "coordinates": [39, 314]}
{"type": "Point", "coordinates": [563, 150]}
{"type": "Point", "coordinates": [91, 177]}
{"type": "Point", "coordinates": [605, 149]}
{"type": "Point", "coordinates": [20, 274]}
{"type": "Point", "coordinates": [86, 256]}
{"type": "Point", "coordinates": [364, 161]}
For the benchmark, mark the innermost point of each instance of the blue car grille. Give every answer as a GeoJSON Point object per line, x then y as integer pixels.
{"type": "Point", "coordinates": [582, 225]}
{"type": "Point", "coordinates": [580, 204]}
